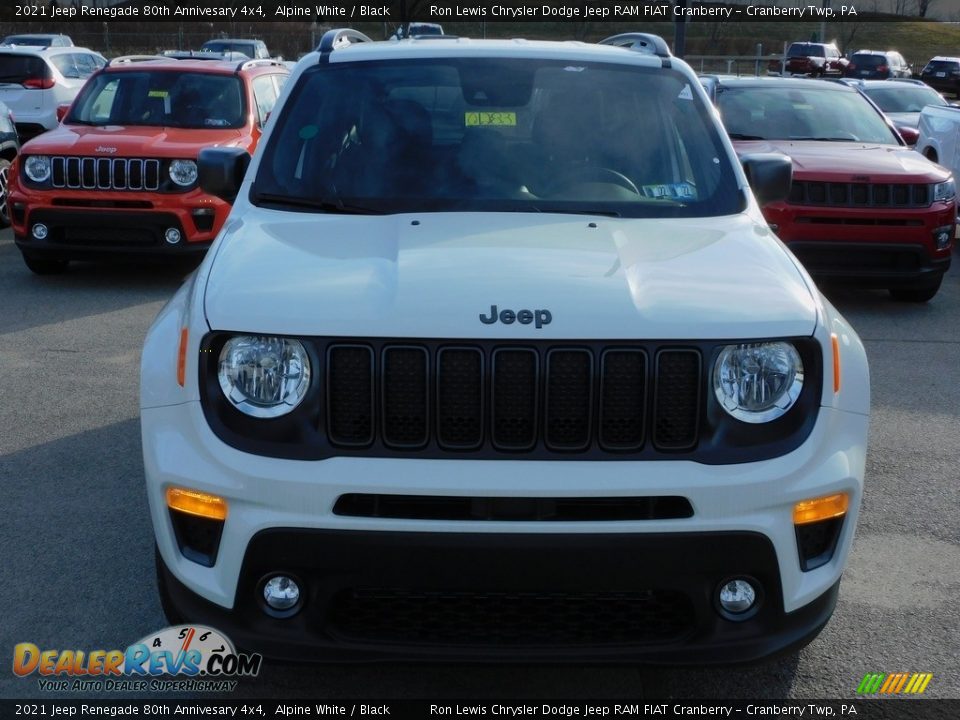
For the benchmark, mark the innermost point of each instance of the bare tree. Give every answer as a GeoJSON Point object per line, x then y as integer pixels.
{"type": "Point", "coordinates": [923, 7]}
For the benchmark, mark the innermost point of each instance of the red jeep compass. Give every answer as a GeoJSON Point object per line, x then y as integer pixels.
{"type": "Point", "coordinates": [119, 175]}
{"type": "Point", "coordinates": [863, 207]}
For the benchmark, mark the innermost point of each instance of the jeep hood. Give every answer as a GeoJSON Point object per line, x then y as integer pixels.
{"type": "Point", "coordinates": [849, 161]}
{"type": "Point", "coordinates": [128, 141]}
{"type": "Point", "coordinates": [432, 275]}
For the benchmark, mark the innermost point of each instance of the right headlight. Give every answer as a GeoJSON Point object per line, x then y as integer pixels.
{"type": "Point", "coordinates": [37, 168]}
{"type": "Point", "coordinates": [264, 377]}
{"type": "Point", "coordinates": [945, 190]}
{"type": "Point", "coordinates": [758, 382]}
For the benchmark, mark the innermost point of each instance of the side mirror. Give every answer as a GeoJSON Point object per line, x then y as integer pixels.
{"type": "Point", "coordinates": [221, 171]}
{"type": "Point", "coordinates": [769, 175]}
{"type": "Point", "coordinates": [909, 134]}
{"type": "Point", "coordinates": [62, 109]}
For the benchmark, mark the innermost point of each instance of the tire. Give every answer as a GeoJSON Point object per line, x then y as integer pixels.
{"type": "Point", "coordinates": [166, 602]}
{"type": "Point", "coordinates": [45, 266]}
{"type": "Point", "coordinates": [4, 213]}
{"type": "Point", "coordinates": [919, 293]}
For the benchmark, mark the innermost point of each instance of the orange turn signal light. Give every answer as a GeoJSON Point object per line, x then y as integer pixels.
{"type": "Point", "coordinates": [182, 358]}
{"type": "Point", "coordinates": [811, 511]}
{"type": "Point", "coordinates": [197, 503]}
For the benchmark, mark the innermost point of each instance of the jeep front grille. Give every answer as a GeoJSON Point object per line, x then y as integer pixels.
{"type": "Point", "coordinates": [99, 173]}
{"type": "Point", "coordinates": [866, 195]}
{"type": "Point", "coordinates": [512, 399]}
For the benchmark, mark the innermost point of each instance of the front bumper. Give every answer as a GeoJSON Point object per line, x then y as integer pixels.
{"type": "Point", "coordinates": [517, 597]}
{"type": "Point", "coordinates": [281, 518]}
{"type": "Point", "coordinates": [97, 224]}
{"type": "Point", "coordinates": [882, 247]}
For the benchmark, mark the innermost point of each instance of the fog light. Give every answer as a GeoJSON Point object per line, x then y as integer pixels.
{"type": "Point", "coordinates": [172, 236]}
{"type": "Point", "coordinates": [281, 592]}
{"type": "Point", "coordinates": [737, 596]}
{"type": "Point", "coordinates": [40, 231]}
{"type": "Point", "coordinates": [942, 236]}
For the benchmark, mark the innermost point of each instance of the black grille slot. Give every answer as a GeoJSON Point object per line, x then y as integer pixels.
{"type": "Point", "coordinates": [350, 418]}
{"type": "Point", "coordinates": [817, 541]}
{"type": "Point", "coordinates": [569, 399]}
{"type": "Point", "coordinates": [677, 403]}
{"type": "Point", "coordinates": [515, 384]}
{"type": "Point", "coordinates": [460, 398]}
{"type": "Point", "coordinates": [623, 399]}
{"type": "Point", "coordinates": [511, 618]}
{"type": "Point", "coordinates": [516, 509]}
{"type": "Point", "coordinates": [405, 397]}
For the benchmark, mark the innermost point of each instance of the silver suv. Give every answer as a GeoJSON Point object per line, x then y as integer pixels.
{"type": "Point", "coordinates": [35, 80]}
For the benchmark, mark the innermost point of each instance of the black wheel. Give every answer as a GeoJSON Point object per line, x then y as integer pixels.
{"type": "Point", "coordinates": [45, 266]}
{"type": "Point", "coordinates": [919, 293]}
{"type": "Point", "coordinates": [4, 213]}
{"type": "Point", "coordinates": [166, 602]}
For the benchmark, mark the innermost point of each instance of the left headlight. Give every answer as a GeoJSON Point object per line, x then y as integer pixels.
{"type": "Point", "coordinates": [264, 377]}
{"type": "Point", "coordinates": [183, 172]}
{"type": "Point", "coordinates": [37, 168]}
{"type": "Point", "coordinates": [945, 190]}
{"type": "Point", "coordinates": [758, 382]}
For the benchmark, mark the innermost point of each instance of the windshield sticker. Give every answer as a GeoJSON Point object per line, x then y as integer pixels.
{"type": "Point", "coordinates": [157, 93]}
{"type": "Point", "coordinates": [686, 93]}
{"type": "Point", "coordinates": [503, 119]}
{"type": "Point", "coordinates": [215, 122]}
{"type": "Point", "coordinates": [672, 191]}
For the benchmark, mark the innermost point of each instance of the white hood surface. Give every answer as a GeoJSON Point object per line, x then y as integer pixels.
{"type": "Point", "coordinates": [432, 275]}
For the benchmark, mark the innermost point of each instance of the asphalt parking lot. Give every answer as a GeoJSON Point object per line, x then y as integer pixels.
{"type": "Point", "coordinates": [77, 569]}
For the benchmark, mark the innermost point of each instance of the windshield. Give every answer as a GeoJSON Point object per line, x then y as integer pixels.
{"type": "Point", "coordinates": [806, 50]}
{"type": "Point", "coordinates": [161, 97]}
{"type": "Point", "coordinates": [904, 99]}
{"type": "Point", "coordinates": [801, 113]}
{"type": "Point", "coordinates": [522, 135]}
{"type": "Point", "coordinates": [869, 61]}
{"type": "Point", "coordinates": [218, 46]}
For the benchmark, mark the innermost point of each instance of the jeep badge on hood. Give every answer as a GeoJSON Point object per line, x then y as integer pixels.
{"type": "Point", "coordinates": [538, 317]}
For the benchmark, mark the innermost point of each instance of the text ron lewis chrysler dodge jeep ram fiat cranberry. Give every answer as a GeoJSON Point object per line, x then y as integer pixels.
{"type": "Point", "coordinates": [119, 175]}
{"type": "Point", "coordinates": [500, 360]}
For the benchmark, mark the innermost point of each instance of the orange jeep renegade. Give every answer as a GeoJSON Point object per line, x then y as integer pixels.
{"type": "Point", "coordinates": [119, 175]}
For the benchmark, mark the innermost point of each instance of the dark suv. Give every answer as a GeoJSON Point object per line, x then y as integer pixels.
{"type": "Point", "coordinates": [877, 65]}
{"type": "Point", "coordinates": [815, 59]}
{"type": "Point", "coordinates": [943, 74]}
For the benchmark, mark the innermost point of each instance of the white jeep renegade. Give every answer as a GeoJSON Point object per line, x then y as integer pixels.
{"type": "Point", "coordinates": [496, 358]}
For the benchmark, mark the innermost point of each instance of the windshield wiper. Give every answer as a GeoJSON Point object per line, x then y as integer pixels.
{"type": "Point", "coordinates": [741, 136]}
{"type": "Point", "coordinates": [328, 206]}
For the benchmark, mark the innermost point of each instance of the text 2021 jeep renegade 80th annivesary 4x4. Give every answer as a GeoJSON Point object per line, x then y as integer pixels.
{"type": "Point", "coordinates": [496, 357]}
{"type": "Point", "coordinates": [119, 175]}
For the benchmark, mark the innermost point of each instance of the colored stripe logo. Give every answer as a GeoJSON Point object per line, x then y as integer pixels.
{"type": "Point", "coordinates": [894, 683]}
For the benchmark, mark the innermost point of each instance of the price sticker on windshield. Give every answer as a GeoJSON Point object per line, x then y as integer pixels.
{"type": "Point", "coordinates": [502, 119]}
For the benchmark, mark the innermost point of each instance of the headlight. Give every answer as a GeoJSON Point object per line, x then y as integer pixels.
{"type": "Point", "coordinates": [945, 190]}
{"type": "Point", "coordinates": [183, 172]}
{"type": "Point", "coordinates": [758, 382]}
{"type": "Point", "coordinates": [264, 377]}
{"type": "Point", "coordinates": [37, 168]}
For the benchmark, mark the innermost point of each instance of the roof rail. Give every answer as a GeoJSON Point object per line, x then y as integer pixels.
{"type": "Point", "coordinates": [339, 38]}
{"type": "Point", "coordinates": [261, 62]}
{"type": "Point", "coordinates": [640, 42]}
{"type": "Point", "coordinates": [125, 59]}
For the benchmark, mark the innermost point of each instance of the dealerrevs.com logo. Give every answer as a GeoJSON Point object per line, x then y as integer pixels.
{"type": "Point", "coordinates": [200, 659]}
